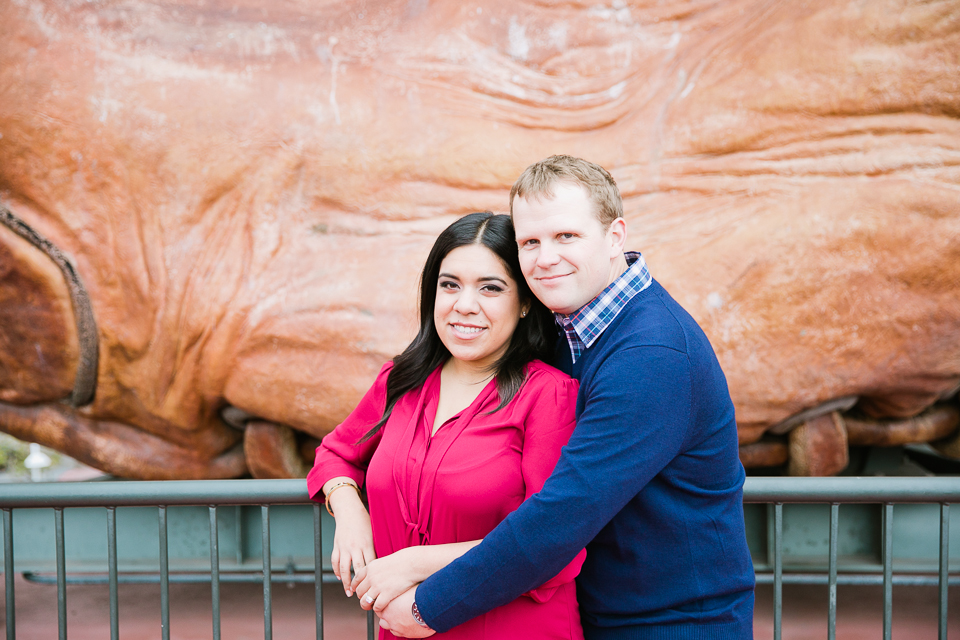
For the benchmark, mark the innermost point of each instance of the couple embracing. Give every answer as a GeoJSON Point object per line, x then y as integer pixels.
{"type": "Point", "coordinates": [598, 496]}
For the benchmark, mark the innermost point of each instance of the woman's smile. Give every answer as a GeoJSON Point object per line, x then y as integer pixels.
{"type": "Point", "coordinates": [469, 330]}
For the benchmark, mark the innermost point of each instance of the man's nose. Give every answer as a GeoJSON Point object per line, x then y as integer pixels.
{"type": "Point", "coordinates": [547, 256]}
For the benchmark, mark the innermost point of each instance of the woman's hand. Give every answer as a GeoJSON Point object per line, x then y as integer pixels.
{"type": "Point", "coordinates": [353, 539]}
{"type": "Point", "coordinates": [386, 578]}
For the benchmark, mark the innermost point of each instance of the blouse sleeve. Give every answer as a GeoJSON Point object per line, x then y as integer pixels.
{"type": "Point", "coordinates": [338, 453]}
{"type": "Point", "coordinates": [550, 422]}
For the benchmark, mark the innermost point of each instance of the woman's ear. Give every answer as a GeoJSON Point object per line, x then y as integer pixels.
{"type": "Point", "coordinates": [524, 309]}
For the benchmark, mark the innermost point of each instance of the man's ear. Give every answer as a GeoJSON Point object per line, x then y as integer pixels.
{"type": "Point", "coordinates": [617, 233]}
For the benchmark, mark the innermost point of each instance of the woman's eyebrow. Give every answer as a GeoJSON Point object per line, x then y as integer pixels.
{"type": "Point", "coordinates": [481, 279]}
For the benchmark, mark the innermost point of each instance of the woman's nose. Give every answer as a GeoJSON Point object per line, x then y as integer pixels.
{"type": "Point", "coordinates": [467, 302]}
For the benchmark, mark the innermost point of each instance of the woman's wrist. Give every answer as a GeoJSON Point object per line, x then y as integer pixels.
{"type": "Point", "coordinates": [343, 496]}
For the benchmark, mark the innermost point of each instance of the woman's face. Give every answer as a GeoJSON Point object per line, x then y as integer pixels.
{"type": "Point", "coordinates": [477, 305]}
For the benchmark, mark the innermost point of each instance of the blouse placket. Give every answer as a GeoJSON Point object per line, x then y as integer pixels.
{"type": "Point", "coordinates": [416, 503]}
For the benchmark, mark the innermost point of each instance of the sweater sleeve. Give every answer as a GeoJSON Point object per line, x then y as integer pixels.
{"type": "Point", "coordinates": [633, 423]}
{"type": "Point", "coordinates": [548, 427]}
{"type": "Point", "coordinates": [339, 453]}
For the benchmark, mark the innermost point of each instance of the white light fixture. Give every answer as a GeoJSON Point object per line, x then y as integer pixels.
{"type": "Point", "coordinates": [37, 461]}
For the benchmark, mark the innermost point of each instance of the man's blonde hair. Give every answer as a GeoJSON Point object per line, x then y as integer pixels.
{"type": "Point", "coordinates": [541, 178]}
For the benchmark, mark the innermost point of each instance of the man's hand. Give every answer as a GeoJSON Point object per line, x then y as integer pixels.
{"type": "Point", "coordinates": [397, 617]}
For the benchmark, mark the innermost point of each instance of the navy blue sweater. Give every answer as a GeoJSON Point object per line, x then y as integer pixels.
{"type": "Point", "coordinates": [650, 482]}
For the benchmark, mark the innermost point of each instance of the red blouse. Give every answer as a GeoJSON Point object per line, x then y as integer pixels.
{"type": "Point", "coordinates": [458, 484]}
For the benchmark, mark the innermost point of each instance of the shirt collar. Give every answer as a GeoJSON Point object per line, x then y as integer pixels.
{"type": "Point", "coordinates": [585, 325]}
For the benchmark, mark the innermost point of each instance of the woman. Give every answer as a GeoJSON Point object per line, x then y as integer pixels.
{"type": "Point", "coordinates": [455, 433]}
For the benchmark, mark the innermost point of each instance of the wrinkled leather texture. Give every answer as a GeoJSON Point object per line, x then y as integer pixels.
{"type": "Point", "coordinates": [248, 190]}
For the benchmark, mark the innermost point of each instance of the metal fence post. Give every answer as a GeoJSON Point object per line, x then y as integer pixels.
{"type": "Point", "coordinates": [164, 574]}
{"type": "Point", "coordinates": [832, 568]}
{"type": "Point", "coordinates": [318, 568]}
{"type": "Point", "coordinates": [214, 572]}
{"type": "Point", "coordinates": [112, 571]}
{"type": "Point", "coordinates": [777, 570]}
{"type": "Point", "coordinates": [9, 573]}
{"type": "Point", "coordinates": [887, 570]}
{"type": "Point", "coordinates": [944, 569]}
{"type": "Point", "coordinates": [267, 569]}
{"type": "Point", "coordinates": [61, 573]}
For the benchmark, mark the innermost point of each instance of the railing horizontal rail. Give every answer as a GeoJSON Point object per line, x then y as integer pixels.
{"type": "Point", "coordinates": [188, 578]}
{"type": "Point", "coordinates": [862, 579]}
{"type": "Point", "coordinates": [153, 493]}
{"type": "Point", "coordinates": [904, 580]}
{"type": "Point", "coordinates": [852, 490]}
{"type": "Point", "coordinates": [240, 492]}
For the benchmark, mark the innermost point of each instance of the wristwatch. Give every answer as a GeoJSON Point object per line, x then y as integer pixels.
{"type": "Point", "coordinates": [419, 618]}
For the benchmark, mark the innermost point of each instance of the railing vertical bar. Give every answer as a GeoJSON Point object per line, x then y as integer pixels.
{"type": "Point", "coordinates": [61, 573]}
{"type": "Point", "coordinates": [215, 572]}
{"type": "Point", "coordinates": [9, 573]}
{"type": "Point", "coordinates": [267, 570]}
{"type": "Point", "coordinates": [164, 574]}
{"type": "Point", "coordinates": [832, 611]}
{"type": "Point", "coordinates": [777, 570]}
{"type": "Point", "coordinates": [887, 570]}
{"type": "Point", "coordinates": [112, 572]}
{"type": "Point", "coordinates": [318, 568]}
{"type": "Point", "coordinates": [944, 568]}
{"type": "Point", "coordinates": [371, 625]}
{"type": "Point", "coordinates": [238, 518]}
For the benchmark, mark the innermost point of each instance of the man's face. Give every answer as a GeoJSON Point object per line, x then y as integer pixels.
{"type": "Point", "coordinates": [565, 254]}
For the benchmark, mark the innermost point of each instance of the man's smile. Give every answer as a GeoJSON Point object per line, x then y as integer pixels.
{"type": "Point", "coordinates": [551, 278]}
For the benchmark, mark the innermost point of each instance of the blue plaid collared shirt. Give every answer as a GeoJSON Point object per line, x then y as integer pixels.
{"type": "Point", "coordinates": [585, 325]}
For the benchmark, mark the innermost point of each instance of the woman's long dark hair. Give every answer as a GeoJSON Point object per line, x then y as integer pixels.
{"type": "Point", "coordinates": [533, 338]}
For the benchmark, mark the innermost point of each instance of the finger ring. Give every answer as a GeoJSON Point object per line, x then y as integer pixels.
{"type": "Point", "coordinates": [368, 599]}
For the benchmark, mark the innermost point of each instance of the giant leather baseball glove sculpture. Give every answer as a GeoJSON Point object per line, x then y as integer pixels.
{"type": "Point", "coordinates": [213, 212]}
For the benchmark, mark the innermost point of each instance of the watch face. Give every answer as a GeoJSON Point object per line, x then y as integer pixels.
{"type": "Point", "coordinates": [416, 616]}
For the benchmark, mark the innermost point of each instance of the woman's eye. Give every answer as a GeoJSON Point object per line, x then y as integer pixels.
{"type": "Point", "coordinates": [492, 288]}
{"type": "Point", "coordinates": [448, 285]}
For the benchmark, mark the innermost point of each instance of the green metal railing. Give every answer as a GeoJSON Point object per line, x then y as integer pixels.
{"type": "Point", "coordinates": [837, 491]}
{"type": "Point", "coordinates": [214, 494]}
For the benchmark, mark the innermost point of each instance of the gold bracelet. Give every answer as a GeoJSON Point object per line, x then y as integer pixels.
{"type": "Point", "coordinates": [340, 485]}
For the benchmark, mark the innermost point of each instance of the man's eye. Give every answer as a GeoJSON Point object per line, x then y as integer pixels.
{"type": "Point", "coordinates": [528, 244]}
{"type": "Point", "coordinates": [566, 236]}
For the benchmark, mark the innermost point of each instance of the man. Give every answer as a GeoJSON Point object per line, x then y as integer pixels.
{"type": "Point", "coordinates": [650, 481]}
